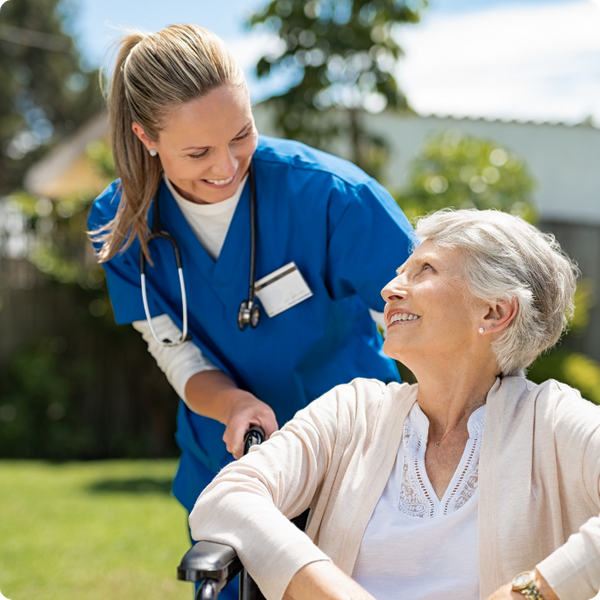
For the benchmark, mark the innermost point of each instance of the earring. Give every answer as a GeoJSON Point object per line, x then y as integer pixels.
{"type": "Point", "coordinates": [152, 152]}
{"type": "Point", "coordinates": [481, 330]}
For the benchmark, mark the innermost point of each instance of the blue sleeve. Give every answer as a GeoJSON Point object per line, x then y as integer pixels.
{"type": "Point", "coordinates": [122, 270]}
{"type": "Point", "coordinates": [124, 288]}
{"type": "Point", "coordinates": [369, 239]}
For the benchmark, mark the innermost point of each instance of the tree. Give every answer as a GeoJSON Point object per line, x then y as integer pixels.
{"type": "Point", "coordinates": [45, 92]}
{"type": "Point", "coordinates": [455, 170]}
{"type": "Point", "coordinates": [342, 54]}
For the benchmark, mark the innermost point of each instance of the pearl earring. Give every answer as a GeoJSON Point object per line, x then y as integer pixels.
{"type": "Point", "coordinates": [152, 152]}
{"type": "Point", "coordinates": [481, 330]}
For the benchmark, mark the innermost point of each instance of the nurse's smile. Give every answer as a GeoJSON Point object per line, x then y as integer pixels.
{"type": "Point", "coordinates": [206, 145]}
{"type": "Point", "coordinates": [219, 184]}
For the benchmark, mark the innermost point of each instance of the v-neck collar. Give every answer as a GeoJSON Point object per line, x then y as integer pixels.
{"type": "Point", "coordinates": [414, 469]}
{"type": "Point", "coordinates": [228, 266]}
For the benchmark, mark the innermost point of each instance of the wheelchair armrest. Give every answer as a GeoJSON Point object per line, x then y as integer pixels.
{"type": "Point", "coordinates": [209, 560]}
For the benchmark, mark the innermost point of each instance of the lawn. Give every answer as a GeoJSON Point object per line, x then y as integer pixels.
{"type": "Point", "coordinates": [90, 531]}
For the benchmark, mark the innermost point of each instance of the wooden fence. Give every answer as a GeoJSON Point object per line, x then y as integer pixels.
{"type": "Point", "coordinates": [116, 401]}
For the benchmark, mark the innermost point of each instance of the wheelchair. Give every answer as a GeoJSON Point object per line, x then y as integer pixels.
{"type": "Point", "coordinates": [214, 565]}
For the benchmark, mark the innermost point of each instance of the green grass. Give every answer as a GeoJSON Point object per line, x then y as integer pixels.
{"type": "Point", "coordinates": [88, 531]}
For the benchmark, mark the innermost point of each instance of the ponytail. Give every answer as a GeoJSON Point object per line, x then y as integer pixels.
{"type": "Point", "coordinates": [153, 73]}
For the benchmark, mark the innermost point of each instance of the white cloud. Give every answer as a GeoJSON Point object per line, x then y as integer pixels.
{"type": "Point", "coordinates": [539, 62]}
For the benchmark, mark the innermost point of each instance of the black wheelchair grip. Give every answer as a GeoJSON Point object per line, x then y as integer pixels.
{"type": "Point", "coordinates": [209, 560]}
{"type": "Point", "coordinates": [255, 435]}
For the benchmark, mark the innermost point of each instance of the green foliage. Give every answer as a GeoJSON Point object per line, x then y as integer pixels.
{"type": "Point", "coordinates": [45, 92]}
{"type": "Point", "coordinates": [573, 368]}
{"type": "Point", "coordinates": [37, 416]}
{"type": "Point", "coordinates": [584, 301]}
{"type": "Point", "coordinates": [455, 170]}
{"type": "Point", "coordinates": [342, 54]}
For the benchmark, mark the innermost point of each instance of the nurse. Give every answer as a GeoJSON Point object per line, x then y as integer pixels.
{"type": "Point", "coordinates": [327, 239]}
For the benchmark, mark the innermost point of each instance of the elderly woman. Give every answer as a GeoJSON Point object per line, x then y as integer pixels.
{"type": "Point", "coordinates": [450, 488]}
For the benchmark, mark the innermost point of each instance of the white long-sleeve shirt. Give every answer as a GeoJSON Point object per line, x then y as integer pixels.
{"type": "Point", "coordinates": [178, 363]}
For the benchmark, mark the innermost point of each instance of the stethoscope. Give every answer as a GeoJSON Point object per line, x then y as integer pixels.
{"type": "Point", "coordinates": [249, 311]}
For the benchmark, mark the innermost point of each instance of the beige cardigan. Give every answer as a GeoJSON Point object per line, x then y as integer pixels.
{"type": "Point", "coordinates": [539, 483]}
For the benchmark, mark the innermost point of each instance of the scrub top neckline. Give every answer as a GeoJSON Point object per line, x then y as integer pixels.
{"type": "Point", "coordinates": [210, 222]}
{"type": "Point", "coordinates": [205, 209]}
{"type": "Point", "coordinates": [228, 267]}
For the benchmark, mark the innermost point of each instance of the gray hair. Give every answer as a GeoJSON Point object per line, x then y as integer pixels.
{"type": "Point", "coordinates": [507, 258]}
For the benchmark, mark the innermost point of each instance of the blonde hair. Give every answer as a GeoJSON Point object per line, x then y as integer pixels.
{"type": "Point", "coordinates": [507, 258]}
{"type": "Point", "coordinates": [154, 74]}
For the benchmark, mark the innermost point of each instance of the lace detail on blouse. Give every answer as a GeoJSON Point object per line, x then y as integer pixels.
{"type": "Point", "coordinates": [417, 496]}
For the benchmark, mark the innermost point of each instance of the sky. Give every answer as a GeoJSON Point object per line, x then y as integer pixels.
{"type": "Point", "coordinates": [525, 60]}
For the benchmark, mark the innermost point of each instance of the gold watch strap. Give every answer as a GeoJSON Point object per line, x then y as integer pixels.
{"type": "Point", "coordinates": [530, 591]}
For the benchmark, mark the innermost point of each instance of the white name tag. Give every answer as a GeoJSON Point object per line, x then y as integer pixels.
{"type": "Point", "coordinates": [282, 289]}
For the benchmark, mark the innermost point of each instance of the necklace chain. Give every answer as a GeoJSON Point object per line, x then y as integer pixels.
{"type": "Point", "coordinates": [437, 444]}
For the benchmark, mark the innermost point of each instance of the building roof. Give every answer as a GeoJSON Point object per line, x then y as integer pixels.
{"type": "Point", "coordinates": [65, 170]}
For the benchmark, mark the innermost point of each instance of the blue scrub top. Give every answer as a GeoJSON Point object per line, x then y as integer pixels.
{"type": "Point", "coordinates": [347, 237]}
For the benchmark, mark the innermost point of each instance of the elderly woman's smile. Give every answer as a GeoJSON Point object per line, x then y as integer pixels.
{"type": "Point", "coordinates": [401, 316]}
{"type": "Point", "coordinates": [428, 306]}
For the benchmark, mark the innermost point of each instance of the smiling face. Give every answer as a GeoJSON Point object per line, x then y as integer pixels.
{"type": "Point", "coordinates": [429, 312]}
{"type": "Point", "coordinates": [206, 145]}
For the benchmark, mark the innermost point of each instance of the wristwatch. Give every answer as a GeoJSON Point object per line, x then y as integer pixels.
{"type": "Point", "coordinates": [524, 583]}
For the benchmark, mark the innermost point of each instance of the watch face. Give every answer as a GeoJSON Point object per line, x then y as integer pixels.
{"type": "Point", "coordinates": [522, 580]}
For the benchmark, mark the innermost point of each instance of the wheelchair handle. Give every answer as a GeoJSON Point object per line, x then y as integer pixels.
{"type": "Point", "coordinates": [214, 565]}
{"type": "Point", "coordinates": [255, 435]}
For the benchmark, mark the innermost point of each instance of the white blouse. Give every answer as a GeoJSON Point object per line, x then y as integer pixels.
{"type": "Point", "coordinates": [417, 545]}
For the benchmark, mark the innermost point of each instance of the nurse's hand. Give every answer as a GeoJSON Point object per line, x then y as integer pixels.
{"type": "Point", "coordinates": [247, 410]}
{"type": "Point", "coordinates": [213, 394]}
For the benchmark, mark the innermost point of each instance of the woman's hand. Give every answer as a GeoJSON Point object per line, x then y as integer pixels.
{"type": "Point", "coordinates": [246, 410]}
{"type": "Point", "coordinates": [325, 581]}
{"type": "Point", "coordinates": [214, 394]}
{"type": "Point", "coordinates": [506, 592]}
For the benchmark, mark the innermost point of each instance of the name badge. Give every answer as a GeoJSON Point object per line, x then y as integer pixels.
{"type": "Point", "coordinates": [282, 289]}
